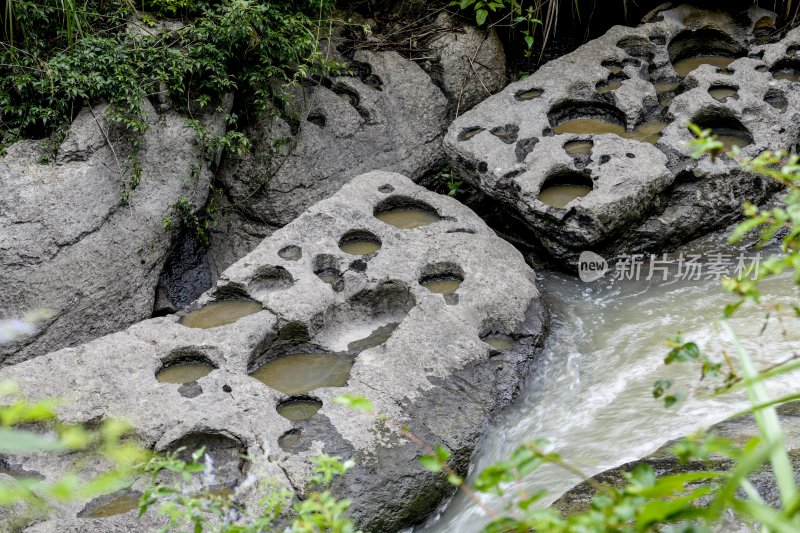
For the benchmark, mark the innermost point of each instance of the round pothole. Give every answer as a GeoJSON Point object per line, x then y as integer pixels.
{"type": "Point", "coordinates": [776, 99]}
{"type": "Point", "coordinates": [290, 441]}
{"type": "Point", "coordinates": [578, 147]}
{"type": "Point", "coordinates": [291, 253]}
{"type": "Point", "coordinates": [499, 342]}
{"type": "Point", "coordinates": [359, 242]}
{"type": "Point", "coordinates": [561, 189]}
{"type": "Point", "coordinates": [786, 69]}
{"type": "Point", "coordinates": [721, 93]}
{"type": "Point", "coordinates": [726, 127]}
{"type": "Point", "coordinates": [405, 213]}
{"type": "Point", "coordinates": [705, 46]}
{"type": "Point", "coordinates": [220, 314]}
{"type": "Point", "coordinates": [184, 369]}
{"type": "Point", "coordinates": [299, 373]}
{"type": "Point", "coordinates": [442, 278]}
{"type": "Point", "coordinates": [528, 94]}
{"type": "Point", "coordinates": [299, 408]}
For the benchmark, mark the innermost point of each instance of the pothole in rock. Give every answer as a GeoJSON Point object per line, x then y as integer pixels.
{"type": "Point", "coordinates": [328, 269]}
{"type": "Point", "coordinates": [184, 366]}
{"type": "Point", "coordinates": [727, 128]}
{"type": "Point", "coordinates": [405, 213]}
{"type": "Point", "coordinates": [299, 373]}
{"type": "Point", "coordinates": [225, 452]}
{"type": "Point", "coordinates": [560, 189]}
{"type": "Point", "coordinates": [786, 69]}
{"type": "Point", "coordinates": [359, 242]}
{"type": "Point", "coordinates": [667, 90]}
{"type": "Point", "coordinates": [468, 133]}
{"type": "Point", "coordinates": [442, 278]}
{"type": "Point", "coordinates": [528, 94]}
{"type": "Point", "coordinates": [291, 253]}
{"type": "Point", "coordinates": [269, 278]}
{"type": "Point", "coordinates": [299, 408]}
{"type": "Point", "coordinates": [776, 99]}
{"type": "Point", "coordinates": [721, 93]}
{"type": "Point", "coordinates": [590, 118]}
{"type": "Point", "coordinates": [578, 147]}
{"type": "Point", "coordinates": [706, 46]}
{"type": "Point", "coordinates": [638, 47]}
{"type": "Point", "coordinates": [499, 342]}
{"type": "Point", "coordinates": [111, 505]}
{"type": "Point", "coordinates": [290, 441]}
{"type": "Point", "coordinates": [367, 319]}
{"type": "Point", "coordinates": [220, 313]}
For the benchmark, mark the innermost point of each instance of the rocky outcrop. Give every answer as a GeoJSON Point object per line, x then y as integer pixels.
{"type": "Point", "coordinates": [67, 245]}
{"type": "Point", "coordinates": [389, 113]}
{"type": "Point", "coordinates": [608, 122]}
{"type": "Point", "coordinates": [441, 362]}
{"type": "Point", "coordinates": [740, 430]}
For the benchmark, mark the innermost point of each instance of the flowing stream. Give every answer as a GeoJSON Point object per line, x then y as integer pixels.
{"type": "Point", "coordinates": [591, 392]}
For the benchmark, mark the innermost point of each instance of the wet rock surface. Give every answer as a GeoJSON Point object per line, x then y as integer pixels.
{"type": "Point", "coordinates": [631, 93]}
{"type": "Point", "coordinates": [740, 430]}
{"type": "Point", "coordinates": [433, 372]}
{"type": "Point", "coordinates": [66, 243]}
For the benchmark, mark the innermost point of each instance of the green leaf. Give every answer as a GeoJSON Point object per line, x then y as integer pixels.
{"type": "Point", "coordinates": [480, 16]}
{"type": "Point", "coordinates": [430, 463]}
{"type": "Point", "coordinates": [354, 402]}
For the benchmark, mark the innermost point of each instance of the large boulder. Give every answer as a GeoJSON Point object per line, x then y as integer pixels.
{"type": "Point", "coordinates": [440, 363]}
{"type": "Point", "coordinates": [610, 119]}
{"type": "Point", "coordinates": [66, 242]}
{"type": "Point", "coordinates": [389, 116]}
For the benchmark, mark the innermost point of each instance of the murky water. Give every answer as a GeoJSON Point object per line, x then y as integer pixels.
{"type": "Point", "coordinates": [303, 372]}
{"type": "Point", "coordinates": [119, 505]}
{"type": "Point", "coordinates": [791, 74]}
{"type": "Point", "coordinates": [184, 373]}
{"type": "Point", "coordinates": [360, 247]}
{"type": "Point", "coordinates": [608, 87]}
{"type": "Point", "coordinates": [685, 66]}
{"type": "Point", "coordinates": [578, 147]}
{"type": "Point", "coordinates": [408, 218]}
{"type": "Point", "coordinates": [722, 93]}
{"type": "Point", "coordinates": [591, 391]}
{"type": "Point", "coordinates": [730, 140]}
{"type": "Point", "coordinates": [378, 336]}
{"type": "Point", "coordinates": [560, 195]}
{"type": "Point", "coordinates": [649, 131]}
{"type": "Point", "coordinates": [220, 314]}
{"type": "Point", "coordinates": [299, 409]}
{"type": "Point", "coordinates": [499, 342]}
{"type": "Point", "coordinates": [442, 285]}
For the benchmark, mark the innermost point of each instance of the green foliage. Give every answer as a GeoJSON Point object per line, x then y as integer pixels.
{"type": "Point", "coordinates": [186, 492]}
{"type": "Point", "coordinates": [453, 182]}
{"type": "Point", "coordinates": [521, 16]}
{"type": "Point", "coordinates": [198, 222]}
{"type": "Point", "coordinates": [108, 443]}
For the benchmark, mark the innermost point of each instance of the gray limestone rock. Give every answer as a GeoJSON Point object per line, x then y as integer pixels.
{"type": "Point", "coordinates": [434, 371]}
{"type": "Point", "coordinates": [645, 191]}
{"type": "Point", "coordinates": [67, 245]}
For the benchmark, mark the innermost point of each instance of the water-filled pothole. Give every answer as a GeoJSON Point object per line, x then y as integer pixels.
{"type": "Point", "coordinates": [722, 92]}
{"type": "Point", "coordinates": [299, 408]}
{"type": "Point", "coordinates": [220, 313]}
{"type": "Point", "coordinates": [269, 278]}
{"type": "Point", "coordinates": [359, 242]}
{"type": "Point", "coordinates": [111, 505]}
{"type": "Point", "coordinates": [291, 253]}
{"type": "Point", "coordinates": [224, 451]}
{"type": "Point", "coordinates": [648, 131]}
{"type": "Point", "coordinates": [786, 69]}
{"type": "Point", "coordinates": [405, 213]}
{"type": "Point", "coordinates": [528, 94]}
{"type": "Point", "coordinates": [706, 46]}
{"type": "Point", "coordinates": [442, 278]}
{"type": "Point", "coordinates": [562, 188]}
{"type": "Point", "coordinates": [184, 369]}
{"type": "Point", "coordinates": [499, 342]}
{"type": "Point", "coordinates": [776, 99]}
{"type": "Point", "coordinates": [578, 147]}
{"type": "Point", "coordinates": [290, 440]}
{"type": "Point", "coordinates": [378, 336]}
{"type": "Point", "coordinates": [607, 86]}
{"type": "Point", "coordinates": [299, 373]}
{"type": "Point", "coordinates": [727, 128]}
